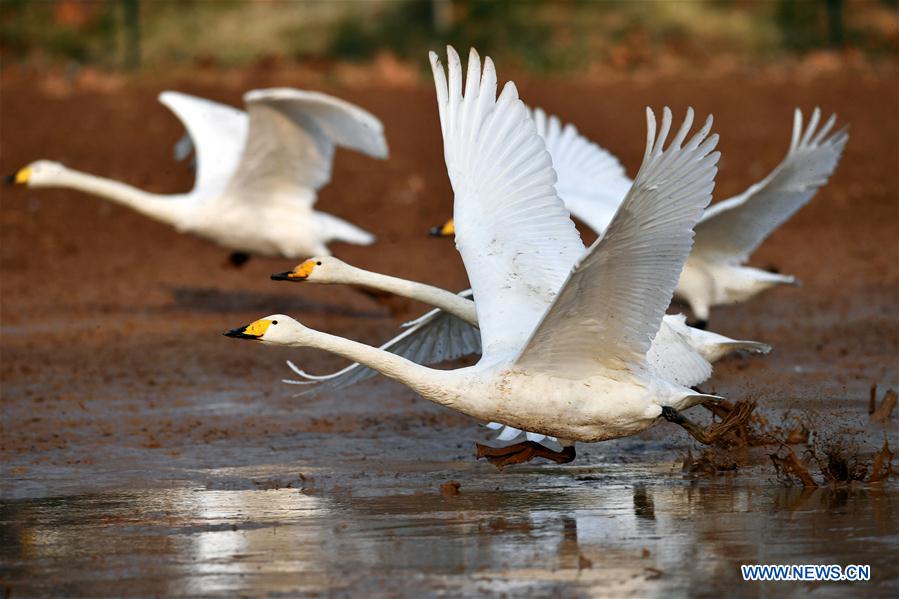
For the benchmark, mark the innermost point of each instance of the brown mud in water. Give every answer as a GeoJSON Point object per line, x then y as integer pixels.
{"type": "Point", "coordinates": [145, 454]}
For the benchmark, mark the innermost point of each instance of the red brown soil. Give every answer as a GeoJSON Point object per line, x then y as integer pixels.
{"type": "Point", "coordinates": [95, 297]}
{"type": "Point", "coordinates": [115, 375]}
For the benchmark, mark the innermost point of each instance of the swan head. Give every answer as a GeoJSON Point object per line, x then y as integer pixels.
{"type": "Point", "coordinates": [320, 269]}
{"type": "Point", "coordinates": [276, 329]}
{"type": "Point", "coordinates": [447, 229]}
{"type": "Point", "coordinates": [37, 174]}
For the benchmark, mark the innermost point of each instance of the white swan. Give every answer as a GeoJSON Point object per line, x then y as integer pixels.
{"type": "Point", "coordinates": [257, 172]}
{"type": "Point", "coordinates": [564, 349]}
{"type": "Point", "coordinates": [593, 183]}
{"type": "Point", "coordinates": [678, 352]}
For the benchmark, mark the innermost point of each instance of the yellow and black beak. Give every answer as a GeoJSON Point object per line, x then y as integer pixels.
{"type": "Point", "coordinates": [20, 177]}
{"type": "Point", "coordinates": [254, 330]}
{"type": "Point", "coordinates": [298, 274]}
{"type": "Point", "coordinates": [240, 333]}
{"type": "Point", "coordinates": [286, 276]}
{"type": "Point", "coordinates": [447, 229]}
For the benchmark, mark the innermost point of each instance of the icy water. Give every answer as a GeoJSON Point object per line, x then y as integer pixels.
{"type": "Point", "coordinates": [607, 525]}
{"type": "Point", "coordinates": [143, 454]}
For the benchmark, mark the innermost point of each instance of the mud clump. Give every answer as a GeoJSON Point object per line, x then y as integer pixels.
{"type": "Point", "coordinates": [882, 468]}
{"type": "Point", "coordinates": [838, 466]}
{"type": "Point", "coordinates": [883, 413]}
{"type": "Point", "coordinates": [789, 468]}
{"type": "Point", "coordinates": [711, 462]}
{"type": "Point", "coordinates": [450, 488]}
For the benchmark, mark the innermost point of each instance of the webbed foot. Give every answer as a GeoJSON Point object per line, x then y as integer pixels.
{"type": "Point", "coordinates": [733, 417]}
{"type": "Point", "coordinates": [520, 453]}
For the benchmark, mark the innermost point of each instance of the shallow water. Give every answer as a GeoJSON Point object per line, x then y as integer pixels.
{"type": "Point", "coordinates": [144, 454]}
{"type": "Point", "coordinates": [607, 525]}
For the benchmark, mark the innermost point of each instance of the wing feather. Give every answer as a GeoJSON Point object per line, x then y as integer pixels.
{"type": "Point", "coordinates": [612, 304]}
{"type": "Point", "coordinates": [732, 229]}
{"type": "Point", "coordinates": [591, 181]}
{"type": "Point", "coordinates": [291, 141]}
{"type": "Point", "coordinates": [218, 133]}
{"type": "Point", "coordinates": [514, 233]}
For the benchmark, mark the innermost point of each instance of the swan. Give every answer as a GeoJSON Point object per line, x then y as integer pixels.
{"type": "Point", "coordinates": [593, 183]}
{"type": "Point", "coordinates": [679, 352]}
{"type": "Point", "coordinates": [564, 347]}
{"type": "Point", "coordinates": [257, 172]}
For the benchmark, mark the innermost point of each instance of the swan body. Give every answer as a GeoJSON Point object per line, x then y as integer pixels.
{"type": "Point", "coordinates": [257, 172]}
{"type": "Point", "coordinates": [564, 347]}
{"type": "Point", "coordinates": [595, 409]}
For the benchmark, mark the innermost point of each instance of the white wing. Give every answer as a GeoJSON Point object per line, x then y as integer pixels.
{"type": "Point", "coordinates": [515, 236]}
{"type": "Point", "coordinates": [591, 181]}
{"type": "Point", "coordinates": [611, 306]}
{"type": "Point", "coordinates": [673, 358]}
{"type": "Point", "coordinates": [218, 133]}
{"type": "Point", "coordinates": [433, 338]}
{"type": "Point", "coordinates": [291, 141]}
{"type": "Point", "coordinates": [734, 228]}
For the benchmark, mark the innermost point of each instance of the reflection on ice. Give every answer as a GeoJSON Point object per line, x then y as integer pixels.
{"type": "Point", "coordinates": [638, 539]}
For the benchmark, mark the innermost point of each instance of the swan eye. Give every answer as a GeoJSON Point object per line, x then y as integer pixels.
{"type": "Point", "coordinates": [274, 322]}
{"type": "Point", "coordinates": [319, 263]}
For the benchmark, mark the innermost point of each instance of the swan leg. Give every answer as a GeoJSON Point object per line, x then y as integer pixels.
{"type": "Point", "coordinates": [520, 453]}
{"type": "Point", "coordinates": [733, 417]}
{"type": "Point", "coordinates": [238, 259]}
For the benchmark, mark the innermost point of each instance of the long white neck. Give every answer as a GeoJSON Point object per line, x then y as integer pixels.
{"type": "Point", "coordinates": [170, 209]}
{"type": "Point", "coordinates": [428, 294]}
{"type": "Point", "coordinates": [435, 385]}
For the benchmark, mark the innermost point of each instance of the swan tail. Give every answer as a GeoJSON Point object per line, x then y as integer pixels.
{"type": "Point", "coordinates": [754, 347]}
{"type": "Point", "coordinates": [337, 229]}
{"type": "Point", "coordinates": [691, 398]}
{"type": "Point", "coordinates": [714, 350]}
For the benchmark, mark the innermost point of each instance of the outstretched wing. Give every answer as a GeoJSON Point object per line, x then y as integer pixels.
{"type": "Point", "coordinates": [218, 133]}
{"type": "Point", "coordinates": [291, 140]}
{"type": "Point", "coordinates": [611, 306]}
{"type": "Point", "coordinates": [591, 181]}
{"type": "Point", "coordinates": [436, 337]}
{"type": "Point", "coordinates": [512, 230]}
{"type": "Point", "coordinates": [734, 228]}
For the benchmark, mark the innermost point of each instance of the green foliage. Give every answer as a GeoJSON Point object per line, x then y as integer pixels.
{"type": "Point", "coordinates": [541, 35]}
{"type": "Point", "coordinates": [408, 28]}
{"type": "Point", "coordinates": [27, 27]}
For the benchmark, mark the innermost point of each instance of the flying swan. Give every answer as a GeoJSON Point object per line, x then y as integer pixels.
{"type": "Point", "coordinates": [257, 172]}
{"type": "Point", "coordinates": [592, 183]}
{"type": "Point", "coordinates": [564, 348]}
{"type": "Point", "coordinates": [678, 352]}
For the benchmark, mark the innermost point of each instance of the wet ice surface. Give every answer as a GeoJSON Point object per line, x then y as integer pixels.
{"type": "Point", "coordinates": [362, 514]}
{"type": "Point", "coordinates": [207, 478]}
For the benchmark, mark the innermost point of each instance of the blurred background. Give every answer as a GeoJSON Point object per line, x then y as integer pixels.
{"type": "Point", "coordinates": [145, 454]}
{"type": "Point", "coordinates": [545, 36]}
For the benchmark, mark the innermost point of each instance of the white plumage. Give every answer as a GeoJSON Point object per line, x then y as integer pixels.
{"type": "Point", "coordinates": [678, 352]}
{"type": "Point", "coordinates": [593, 183]}
{"type": "Point", "coordinates": [534, 309]}
{"type": "Point", "coordinates": [257, 173]}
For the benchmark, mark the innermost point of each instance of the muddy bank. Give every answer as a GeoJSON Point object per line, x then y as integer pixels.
{"type": "Point", "coordinates": [141, 446]}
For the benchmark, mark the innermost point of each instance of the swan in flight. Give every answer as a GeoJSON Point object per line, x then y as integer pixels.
{"type": "Point", "coordinates": [564, 347]}
{"type": "Point", "coordinates": [257, 172]}
{"type": "Point", "coordinates": [678, 352]}
{"type": "Point", "coordinates": [592, 183]}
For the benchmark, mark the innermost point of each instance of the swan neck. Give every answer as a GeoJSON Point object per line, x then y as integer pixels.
{"type": "Point", "coordinates": [433, 296]}
{"type": "Point", "coordinates": [168, 209]}
{"type": "Point", "coordinates": [427, 382]}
